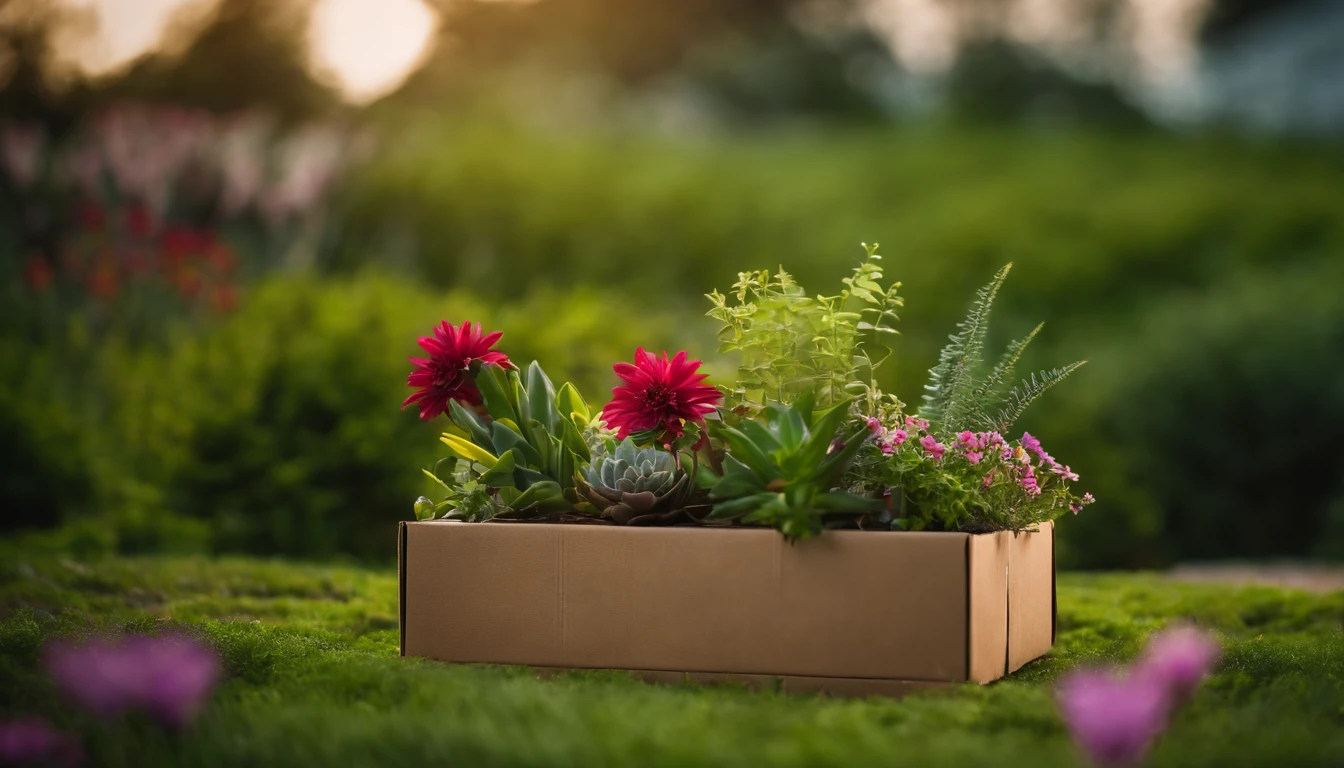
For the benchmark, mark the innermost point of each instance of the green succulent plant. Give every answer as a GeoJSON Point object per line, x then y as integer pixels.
{"type": "Point", "coordinates": [637, 486]}
{"type": "Point", "coordinates": [520, 459]}
{"type": "Point", "coordinates": [784, 472]}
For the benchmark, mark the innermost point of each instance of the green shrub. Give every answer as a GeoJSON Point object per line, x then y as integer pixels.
{"type": "Point", "coordinates": [1211, 425]}
{"type": "Point", "coordinates": [277, 429]}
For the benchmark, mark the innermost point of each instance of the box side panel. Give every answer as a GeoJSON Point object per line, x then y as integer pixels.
{"type": "Point", "coordinates": [848, 604]}
{"type": "Point", "coordinates": [988, 567]}
{"type": "Point", "coordinates": [1031, 596]}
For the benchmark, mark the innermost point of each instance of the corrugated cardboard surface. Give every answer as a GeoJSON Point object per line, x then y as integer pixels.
{"type": "Point", "coordinates": [843, 609]}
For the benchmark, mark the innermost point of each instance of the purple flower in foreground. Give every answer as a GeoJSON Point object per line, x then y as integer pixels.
{"type": "Point", "coordinates": [1178, 659]}
{"type": "Point", "coordinates": [33, 740]}
{"type": "Point", "coordinates": [1113, 719]}
{"type": "Point", "coordinates": [168, 677]}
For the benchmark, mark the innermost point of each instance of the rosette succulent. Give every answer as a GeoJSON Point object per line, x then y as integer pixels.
{"type": "Point", "coordinates": [637, 486]}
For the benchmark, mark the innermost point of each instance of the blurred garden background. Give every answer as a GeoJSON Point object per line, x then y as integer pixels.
{"type": "Point", "coordinates": [223, 223]}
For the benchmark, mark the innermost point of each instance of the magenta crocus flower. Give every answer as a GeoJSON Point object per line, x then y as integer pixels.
{"type": "Point", "coordinates": [1113, 719]}
{"type": "Point", "coordinates": [967, 438]}
{"type": "Point", "coordinates": [1029, 483]}
{"type": "Point", "coordinates": [32, 741]}
{"type": "Point", "coordinates": [1179, 659]}
{"type": "Point", "coordinates": [168, 677]}
{"type": "Point", "coordinates": [930, 444]}
{"type": "Point", "coordinates": [974, 456]}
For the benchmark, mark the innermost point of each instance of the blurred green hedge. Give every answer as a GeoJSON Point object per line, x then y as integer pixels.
{"type": "Point", "coordinates": [277, 430]}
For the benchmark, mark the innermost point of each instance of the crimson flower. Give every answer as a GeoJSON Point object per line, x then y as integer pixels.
{"type": "Point", "coordinates": [444, 375]}
{"type": "Point", "coordinates": [659, 393]}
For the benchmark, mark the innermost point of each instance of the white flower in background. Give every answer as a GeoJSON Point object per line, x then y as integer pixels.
{"type": "Point", "coordinates": [240, 151]}
{"type": "Point", "coordinates": [306, 165]}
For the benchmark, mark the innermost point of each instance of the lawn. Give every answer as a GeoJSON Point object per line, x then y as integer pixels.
{"type": "Point", "coordinates": [313, 677]}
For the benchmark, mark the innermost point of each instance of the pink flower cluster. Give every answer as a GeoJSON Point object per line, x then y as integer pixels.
{"type": "Point", "coordinates": [1116, 717]}
{"type": "Point", "coordinates": [888, 440]}
{"type": "Point", "coordinates": [168, 677]}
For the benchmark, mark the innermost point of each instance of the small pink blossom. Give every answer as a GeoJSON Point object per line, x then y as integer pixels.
{"type": "Point", "coordinates": [974, 456]}
{"type": "Point", "coordinates": [32, 741]}
{"type": "Point", "coordinates": [916, 424]}
{"type": "Point", "coordinates": [989, 480]}
{"type": "Point", "coordinates": [874, 426]}
{"type": "Point", "coordinates": [967, 438]}
{"type": "Point", "coordinates": [994, 439]}
{"type": "Point", "coordinates": [1088, 498]}
{"type": "Point", "coordinates": [930, 444]}
{"type": "Point", "coordinates": [1029, 483]}
{"type": "Point", "coordinates": [897, 436]}
{"type": "Point", "coordinates": [886, 447]}
{"type": "Point", "coordinates": [1179, 659]}
{"type": "Point", "coordinates": [169, 677]}
{"type": "Point", "coordinates": [1114, 719]}
{"type": "Point", "coordinates": [1064, 472]}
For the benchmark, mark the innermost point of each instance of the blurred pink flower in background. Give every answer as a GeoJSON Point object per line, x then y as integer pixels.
{"type": "Point", "coordinates": [21, 152]}
{"type": "Point", "coordinates": [1115, 717]}
{"type": "Point", "coordinates": [32, 741]}
{"type": "Point", "coordinates": [168, 677]}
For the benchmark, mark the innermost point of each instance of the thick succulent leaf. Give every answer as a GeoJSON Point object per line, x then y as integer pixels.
{"type": "Point", "coordinates": [764, 438]}
{"type": "Point", "coordinates": [468, 450]}
{"type": "Point", "coordinates": [541, 397]}
{"type": "Point", "coordinates": [830, 469]}
{"type": "Point", "coordinates": [788, 424]}
{"type": "Point", "coordinates": [744, 450]}
{"type": "Point", "coordinates": [840, 501]}
{"type": "Point", "coordinates": [571, 403]}
{"type": "Point", "coordinates": [727, 510]}
{"type": "Point", "coordinates": [501, 474]}
{"type": "Point", "coordinates": [543, 496]}
{"type": "Point", "coordinates": [804, 405]}
{"type": "Point", "coordinates": [738, 480]}
{"type": "Point", "coordinates": [506, 438]}
{"type": "Point", "coordinates": [467, 420]}
{"type": "Point", "coordinates": [573, 439]}
{"type": "Point", "coordinates": [493, 383]}
{"type": "Point", "coordinates": [521, 403]}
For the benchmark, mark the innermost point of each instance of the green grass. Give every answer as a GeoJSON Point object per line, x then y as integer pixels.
{"type": "Point", "coordinates": [313, 677]}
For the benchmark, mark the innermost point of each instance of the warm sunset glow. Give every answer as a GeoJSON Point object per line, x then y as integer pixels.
{"type": "Point", "coordinates": [368, 47]}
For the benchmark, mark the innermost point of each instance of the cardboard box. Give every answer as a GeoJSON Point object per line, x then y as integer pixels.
{"type": "Point", "coordinates": [847, 613]}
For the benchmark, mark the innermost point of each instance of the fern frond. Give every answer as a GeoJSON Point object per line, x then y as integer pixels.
{"type": "Point", "coordinates": [949, 394]}
{"type": "Point", "coordinates": [988, 392]}
{"type": "Point", "coordinates": [1028, 390]}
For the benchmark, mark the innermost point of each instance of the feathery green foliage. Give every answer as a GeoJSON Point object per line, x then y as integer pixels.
{"type": "Point", "coordinates": [791, 344]}
{"type": "Point", "coordinates": [955, 399]}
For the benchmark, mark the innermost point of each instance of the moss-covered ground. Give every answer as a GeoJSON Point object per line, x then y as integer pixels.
{"type": "Point", "coordinates": [313, 678]}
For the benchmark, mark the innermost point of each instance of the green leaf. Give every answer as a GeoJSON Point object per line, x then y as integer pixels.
{"type": "Point", "coordinates": [468, 450]}
{"type": "Point", "coordinates": [424, 509]}
{"type": "Point", "coordinates": [572, 404]}
{"type": "Point", "coordinates": [468, 421]}
{"type": "Point", "coordinates": [436, 479]}
{"type": "Point", "coordinates": [501, 474]}
{"type": "Point", "coordinates": [840, 501]}
{"type": "Point", "coordinates": [738, 480]}
{"type": "Point", "coordinates": [744, 450]}
{"type": "Point", "coordinates": [507, 438]}
{"type": "Point", "coordinates": [545, 496]}
{"type": "Point", "coordinates": [790, 427]}
{"type": "Point", "coordinates": [493, 382]}
{"type": "Point", "coordinates": [573, 440]}
{"type": "Point", "coordinates": [727, 510]}
{"type": "Point", "coordinates": [541, 397]}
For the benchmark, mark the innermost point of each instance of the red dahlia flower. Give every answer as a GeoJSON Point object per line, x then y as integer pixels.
{"type": "Point", "coordinates": [444, 375]}
{"type": "Point", "coordinates": [659, 393]}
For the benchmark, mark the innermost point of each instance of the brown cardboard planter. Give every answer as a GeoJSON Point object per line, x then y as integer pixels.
{"type": "Point", "coordinates": [848, 612]}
